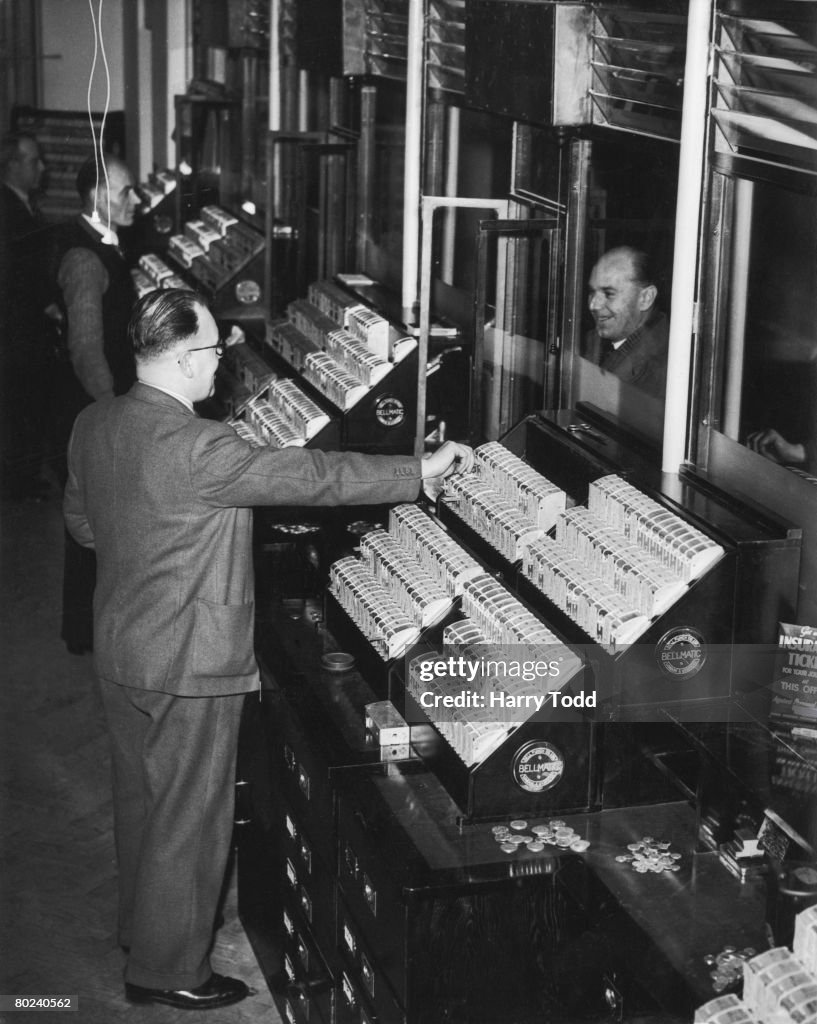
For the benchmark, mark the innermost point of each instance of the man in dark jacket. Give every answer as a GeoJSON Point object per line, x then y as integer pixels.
{"type": "Point", "coordinates": [97, 298]}
{"type": "Point", "coordinates": [165, 498]}
{"type": "Point", "coordinates": [27, 358]}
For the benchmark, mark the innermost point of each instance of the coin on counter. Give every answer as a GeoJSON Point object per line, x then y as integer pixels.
{"type": "Point", "coordinates": [536, 847]}
{"type": "Point", "coordinates": [579, 845]}
{"type": "Point", "coordinates": [508, 847]}
{"type": "Point", "coordinates": [519, 824]}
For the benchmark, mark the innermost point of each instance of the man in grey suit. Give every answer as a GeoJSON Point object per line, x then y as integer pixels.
{"type": "Point", "coordinates": [165, 497]}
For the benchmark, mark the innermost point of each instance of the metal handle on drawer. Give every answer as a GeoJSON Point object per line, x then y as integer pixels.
{"type": "Point", "coordinates": [367, 974]}
{"type": "Point", "coordinates": [348, 991]}
{"type": "Point", "coordinates": [303, 953]}
{"type": "Point", "coordinates": [306, 856]}
{"type": "Point", "coordinates": [370, 895]}
{"type": "Point", "coordinates": [289, 757]}
{"type": "Point", "coordinates": [306, 903]}
{"type": "Point", "coordinates": [614, 1000]}
{"type": "Point", "coordinates": [303, 781]}
{"type": "Point", "coordinates": [350, 860]}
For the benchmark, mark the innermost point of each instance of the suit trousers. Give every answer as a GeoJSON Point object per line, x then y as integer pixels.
{"type": "Point", "coordinates": [173, 761]}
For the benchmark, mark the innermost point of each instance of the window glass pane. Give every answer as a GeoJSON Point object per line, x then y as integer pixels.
{"type": "Point", "coordinates": [627, 281]}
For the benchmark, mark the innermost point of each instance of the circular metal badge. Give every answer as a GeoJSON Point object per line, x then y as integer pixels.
{"type": "Point", "coordinates": [390, 411]}
{"type": "Point", "coordinates": [248, 291]}
{"type": "Point", "coordinates": [537, 766]}
{"type": "Point", "coordinates": [681, 652]}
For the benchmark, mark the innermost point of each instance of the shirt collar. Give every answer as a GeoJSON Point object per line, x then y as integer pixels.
{"type": "Point", "coordinates": [103, 231]}
{"type": "Point", "coordinates": [173, 394]}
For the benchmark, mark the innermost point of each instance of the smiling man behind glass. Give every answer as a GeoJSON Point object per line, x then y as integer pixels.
{"type": "Point", "coordinates": [631, 334]}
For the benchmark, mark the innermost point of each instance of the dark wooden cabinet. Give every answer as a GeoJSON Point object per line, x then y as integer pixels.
{"type": "Point", "coordinates": [373, 889]}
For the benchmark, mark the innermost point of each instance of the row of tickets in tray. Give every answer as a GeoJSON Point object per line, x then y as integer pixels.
{"type": "Point", "coordinates": [496, 520]}
{"type": "Point", "coordinates": [151, 272]}
{"type": "Point", "coordinates": [604, 614]}
{"type": "Point", "coordinates": [246, 432]}
{"type": "Point", "coordinates": [438, 553]}
{"type": "Point", "coordinates": [416, 592]}
{"type": "Point", "coordinates": [367, 363]}
{"type": "Point", "coordinates": [536, 497]}
{"type": "Point", "coordinates": [286, 416]}
{"type": "Point", "coordinates": [360, 324]}
{"type": "Point", "coordinates": [329, 377]}
{"type": "Point", "coordinates": [501, 617]}
{"type": "Point", "coordinates": [270, 427]}
{"type": "Point", "coordinates": [661, 533]}
{"type": "Point", "coordinates": [778, 988]}
{"type": "Point", "coordinates": [472, 732]}
{"type": "Point", "coordinates": [378, 617]}
{"type": "Point", "coordinates": [354, 357]}
{"type": "Point", "coordinates": [647, 585]}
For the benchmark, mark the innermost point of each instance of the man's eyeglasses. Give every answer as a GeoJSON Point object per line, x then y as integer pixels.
{"type": "Point", "coordinates": [220, 348]}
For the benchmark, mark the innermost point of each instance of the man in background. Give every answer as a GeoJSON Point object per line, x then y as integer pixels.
{"type": "Point", "coordinates": [27, 355]}
{"type": "Point", "coordinates": [631, 334]}
{"type": "Point", "coordinates": [165, 498]}
{"type": "Point", "coordinates": [97, 298]}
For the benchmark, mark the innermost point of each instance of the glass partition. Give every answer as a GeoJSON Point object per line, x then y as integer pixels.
{"type": "Point", "coordinates": [616, 343]}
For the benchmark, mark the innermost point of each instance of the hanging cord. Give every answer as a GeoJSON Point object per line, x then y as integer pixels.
{"type": "Point", "coordinates": [104, 115]}
{"type": "Point", "coordinates": [99, 144]}
{"type": "Point", "coordinates": [94, 214]}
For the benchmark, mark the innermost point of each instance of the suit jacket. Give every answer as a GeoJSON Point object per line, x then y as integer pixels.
{"type": "Point", "coordinates": [165, 498]}
{"type": "Point", "coordinates": [641, 360]}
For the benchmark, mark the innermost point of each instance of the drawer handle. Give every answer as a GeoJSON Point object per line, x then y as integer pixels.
{"type": "Point", "coordinates": [303, 782]}
{"type": "Point", "coordinates": [306, 904]}
{"type": "Point", "coordinates": [367, 974]}
{"type": "Point", "coordinates": [289, 757]}
{"type": "Point", "coordinates": [370, 895]}
{"type": "Point", "coordinates": [348, 992]}
{"type": "Point", "coordinates": [306, 857]}
{"type": "Point", "coordinates": [350, 860]}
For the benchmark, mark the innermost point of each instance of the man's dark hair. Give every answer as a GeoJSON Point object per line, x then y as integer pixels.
{"type": "Point", "coordinates": [644, 271]}
{"type": "Point", "coordinates": [88, 177]}
{"type": "Point", "coordinates": [10, 146]}
{"type": "Point", "coordinates": [92, 175]}
{"type": "Point", "coordinates": [161, 319]}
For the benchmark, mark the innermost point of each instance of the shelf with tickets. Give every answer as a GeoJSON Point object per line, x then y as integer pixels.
{"type": "Point", "coordinates": [414, 592]}
{"type": "Point", "coordinates": [155, 217]}
{"type": "Point", "coordinates": [270, 408]}
{"type": "Point", "coordinates": [355, 360]}
{"type": "Point", "coordinates": [222, 257]}
{"type": "Point", "coordinates": [657, 639]}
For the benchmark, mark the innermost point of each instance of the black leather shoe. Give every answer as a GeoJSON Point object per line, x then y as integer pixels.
{"type": "Point", "coordinates": [216, 991]}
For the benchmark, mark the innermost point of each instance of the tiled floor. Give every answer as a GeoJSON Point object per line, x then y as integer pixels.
{"type": "Point", "coordinates": [57, 864]}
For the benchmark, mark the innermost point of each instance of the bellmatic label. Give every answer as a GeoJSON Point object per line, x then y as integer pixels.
{"type": "Point", "coordinates": [537, 766]}
{"type": "Point", "coordinates": [681, 652]}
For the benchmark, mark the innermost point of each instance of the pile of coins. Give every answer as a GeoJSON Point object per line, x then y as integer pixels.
{"type": "Point", "coordinates": [649, 854]}
{"type": "Point", "coordinates": [555, 833]}
{"type": "Point", "coordinates": [728, 966]}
